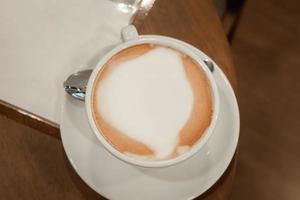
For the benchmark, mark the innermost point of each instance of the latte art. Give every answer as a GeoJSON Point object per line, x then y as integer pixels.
{"type": "Point", "coordinates": [151, 102]}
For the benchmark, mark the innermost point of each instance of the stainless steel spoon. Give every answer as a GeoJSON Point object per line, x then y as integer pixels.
{"type": "Point", "coordinates": [209, 64]}
{"type": "Point", "coordinates": [75, 85]}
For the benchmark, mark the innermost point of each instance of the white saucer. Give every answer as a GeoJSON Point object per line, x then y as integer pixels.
{"type": "Point", "coordinates": [115, 179]}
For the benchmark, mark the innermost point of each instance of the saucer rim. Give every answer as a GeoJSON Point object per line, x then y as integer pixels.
{"type": "Point", "coordinates": [235, 135]}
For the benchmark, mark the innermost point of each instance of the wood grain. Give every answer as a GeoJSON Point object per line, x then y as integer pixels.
{"type": "Point", "coordinates": [34, 165]}
{"type": "Point", "coordinates": [266, 47]}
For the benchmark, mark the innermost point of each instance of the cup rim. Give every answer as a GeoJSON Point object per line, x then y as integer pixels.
{"type": "Point", "coordinates": [166, 41]}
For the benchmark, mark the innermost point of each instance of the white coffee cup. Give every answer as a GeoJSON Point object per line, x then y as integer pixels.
{"type": "Point", "coordinates": [130, 38]}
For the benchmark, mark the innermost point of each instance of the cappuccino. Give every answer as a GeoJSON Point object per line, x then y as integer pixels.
{"type": "Point", "coordinates": [152, 102]}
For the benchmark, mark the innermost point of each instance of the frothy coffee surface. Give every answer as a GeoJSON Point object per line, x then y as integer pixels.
{"type": "Point", "coordinates": [151, 102]}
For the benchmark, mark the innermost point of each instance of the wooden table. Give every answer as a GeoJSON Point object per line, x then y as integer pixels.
{"type": "Point", "coordinates": [193, 21]}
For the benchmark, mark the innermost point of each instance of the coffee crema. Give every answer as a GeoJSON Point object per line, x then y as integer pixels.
{"type": "Point", "coordinates": [152, 102]}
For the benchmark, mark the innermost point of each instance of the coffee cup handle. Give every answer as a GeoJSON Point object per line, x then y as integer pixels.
{"type": "Point", "coordinates": [129, 33]}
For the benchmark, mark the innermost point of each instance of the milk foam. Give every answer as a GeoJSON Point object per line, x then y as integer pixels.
{"type": "Point", "coordinates": [148, 98]}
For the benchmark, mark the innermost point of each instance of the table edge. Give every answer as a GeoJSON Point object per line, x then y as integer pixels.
{"type": "Point", "coordinates": [29, 119]}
